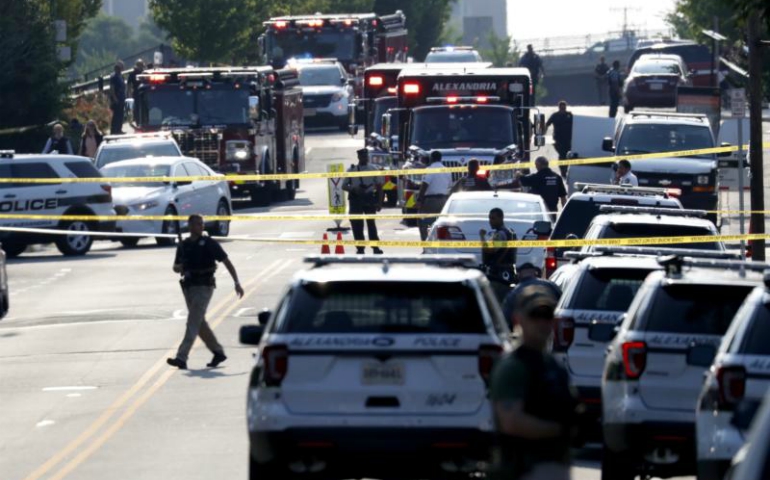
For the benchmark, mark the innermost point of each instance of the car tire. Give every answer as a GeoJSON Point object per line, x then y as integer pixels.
{"type": "Point", "coordinates": [14, 249]}
{"type": "Point", "coordinates": [169, 227]}
{"type": "Point", "coordinates": [75, 245]}
{"type": "Point", "coordinates": [221, 228]}
{"type": "Point", "coordinates": [617, 466]}
{"type": "Point", "coordinates": [129, 242]}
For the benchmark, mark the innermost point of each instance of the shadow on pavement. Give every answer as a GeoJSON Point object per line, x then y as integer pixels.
{"type": "Point", "coordinates": [27, 258]}
{"type": "Point", "coordinates": [211, 373]}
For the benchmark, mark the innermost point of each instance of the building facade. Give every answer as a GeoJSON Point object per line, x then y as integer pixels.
{"type": "Point", "coordinates": [475, 19]}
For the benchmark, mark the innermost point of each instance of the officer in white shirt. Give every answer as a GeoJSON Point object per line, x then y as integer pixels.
{"type": "Point", "coordinates": [434, 192]}
{"type": "Point", "coordinates": [624, 176]}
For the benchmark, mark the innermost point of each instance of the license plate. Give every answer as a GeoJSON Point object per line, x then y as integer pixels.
{"type": "Point", "coordinates": [382, 374]}
{"type": "Point", "coordinates": [310, 112]}
{"type": "Point", "coordinates": [656, 86]}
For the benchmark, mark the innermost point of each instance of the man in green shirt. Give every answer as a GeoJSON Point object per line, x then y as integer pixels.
{"type": "Point", "coordinates": [533, 404]}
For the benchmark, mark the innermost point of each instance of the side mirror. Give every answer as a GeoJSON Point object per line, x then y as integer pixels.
{"type": "Point", "coordinates": [542, 228]}
{"type": "Point", "coordinates": [607, 145]}
{"type": "Point", "coordinates": [254, 108]}
{"type": "Point", "coordinates": [539, 123]}
{"type": "Point", "coordinates": [701, 355]}
{"type": "Point", "coordinates": [264, 316]}
{"type": "Point", "coordinates": [539, 140]}
{"type": "Point", "coordinates": [725, 154]}
{"type": "Point", "coordinates": [602, 332]}
{"type": "Point", "coordinates": [251, 334]}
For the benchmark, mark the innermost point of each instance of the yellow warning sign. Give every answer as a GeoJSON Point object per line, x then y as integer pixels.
{"type": "Point", "coordinates": [337, 204]}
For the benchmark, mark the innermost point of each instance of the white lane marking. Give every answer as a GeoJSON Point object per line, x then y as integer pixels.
{"type": "Point", "coordinates": [68, 388]}
{"type": "Point", "coordinates": [180, 314]}
{"type": "Point", "coordinates": [296, 249]}
{"type": "Point", "coordinates": [44, 423]}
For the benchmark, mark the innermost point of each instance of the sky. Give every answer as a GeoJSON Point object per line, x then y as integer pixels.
{"type": "Point", "coordinates": [582, 17]}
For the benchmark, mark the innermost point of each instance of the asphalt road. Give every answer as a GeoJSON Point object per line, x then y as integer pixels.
{"type": "Point", "coordinates": [84, 388]}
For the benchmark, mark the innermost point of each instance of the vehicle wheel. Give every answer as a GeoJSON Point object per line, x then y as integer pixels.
{"type": "Point", "coordinates": [13, 249]}
{"type": "Point", "coordinates": [129, 242]}
{"type": "Point", "coordinates": [76, 243]}
{"type": "Point", "coordinates": [221, 228]}
{"type": "Point", "coordinates": [169, 227]}
{"type": "Point", "coordinates": [617, 466]}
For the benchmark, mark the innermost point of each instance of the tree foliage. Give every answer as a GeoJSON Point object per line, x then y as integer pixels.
{"type": "Point", "coordinates": [207, 31]}
{"type": "Point", "coordinates": [500, 51]}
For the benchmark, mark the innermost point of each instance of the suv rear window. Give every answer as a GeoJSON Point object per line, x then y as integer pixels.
{"type": "Point", "coordinates": [116, 153]}
{"type": "Point", "coordinates": [695, 309]}
{"type": "Point", "coordinates": [632, 230]}
{"type": "Point", "coordinates": [384, 307]}
{"type": "Point", "coordinates": [83, 169]}
{"type": "Point", "coordinates": [577, 215]}
{"type": "Point", "coordinates": [609, 289]}
{"type": "Point", "coordinates": [756, 340]}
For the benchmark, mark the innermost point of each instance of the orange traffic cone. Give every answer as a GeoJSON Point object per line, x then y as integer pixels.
{"type": "Point", "coordinates": [339, 249]}
{"type": "Point", "coordinates": [325, 248]}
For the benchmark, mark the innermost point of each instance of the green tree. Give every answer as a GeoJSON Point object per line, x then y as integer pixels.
{"type": "Point", "coordinates": [425, 20]}
{"type": "Point", "coordinates": [109, 34]}
{"type": "Point", "coordinates": [500, 51]}
{"type": "Point", "coordinates": [149, 35]}
{"type": "Point", "coordinates": [76, 13]}
{"type": "Point", "coordinates": [207, 31]}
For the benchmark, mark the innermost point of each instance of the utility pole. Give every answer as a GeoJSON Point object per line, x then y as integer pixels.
{"type": "Point", "coordinates": [755, 129]}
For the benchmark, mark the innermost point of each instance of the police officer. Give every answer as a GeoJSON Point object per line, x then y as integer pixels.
{"type": "Point", "coordinates": [471, 182]}
{"type": "Point", "coordinates": [434, 191]}
{"type": "Point", "coordinates": [546, 183]}
{"type": "Point", "coordinates": [499, 262]}
{"type": "Point", "coordinates": [615, 86]}
{"type": "Point", "coordinates": [527, 274]}
{"type": "Point", "coordinates": [532, 62]}
{"type": "Point", "coordinates": [624, 175]}
{"type": "Point", "coordinates": [562, 131]}
{"type": "Point", "coordinates": [600, 73]}
{"type": "Point", "coordinates": [196, 259]}
{"type": "Point", "coordinates": [535, 409]}
{"type": "Point", "coordinates": [365, 197]}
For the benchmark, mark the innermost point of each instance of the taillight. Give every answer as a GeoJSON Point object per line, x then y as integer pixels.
{"type": "Point", "coordinates": [731, 382]}
{"type": "Point", "coordinates": [634, 359]}
{"type": "Point", "coordinates": [550, 261]}
{"type": "Point", "coordinates": [376, 81]}
{"type": "Point", "coordinates": [563, 334]}
{"type": "Point", "coordinates": [488, 355]}
{"type": "Point", "coordinates": [449, 233]}
{"type": "Point", "coordinates": [412, 88]}
{"type": "Point", "coordinates": [275, 360]}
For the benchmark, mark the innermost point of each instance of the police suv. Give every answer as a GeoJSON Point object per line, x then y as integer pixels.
{"type": "Point", "coordinates": [92, 199]}
{"type": "Point", "coordinates": [368, 361]}
{"type": "Point", "coordinates": [735, 385]}
{"type": "Point", "coordinates": [655, 365]}
{"type": "Point", "coordinates": [116, 148]}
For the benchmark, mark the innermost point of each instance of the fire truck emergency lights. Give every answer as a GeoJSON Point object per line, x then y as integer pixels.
{"type": "Point", "coordinates": [158, 77]}
{"type": "Point", "coordinates": [281, 24]}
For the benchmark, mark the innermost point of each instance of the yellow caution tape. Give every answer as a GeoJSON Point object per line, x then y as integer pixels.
{"type": "Point", "coordinates": [374, 173]}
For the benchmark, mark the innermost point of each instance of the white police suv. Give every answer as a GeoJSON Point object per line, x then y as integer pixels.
{"type": "Point", "coordinates": [89, 199]}
{"type": "Point", "coordinates": [655, 365]}
{"type": "Point", "coordinates": [116, 148]}
{"type": "Point", "coordinates": [735, 385]}
{"type": "Point", "coordinates": [375, 367]}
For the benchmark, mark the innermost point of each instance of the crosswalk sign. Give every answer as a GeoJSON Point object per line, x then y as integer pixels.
{"type": "Point", "coordinates": [337, 203]}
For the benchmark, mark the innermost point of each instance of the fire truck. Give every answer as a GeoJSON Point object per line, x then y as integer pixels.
{"type": "Point", "coordinates": [464, 112]}
{"type": "Point", "coordinates": [237, 120]}
{"type": "Point", "coordinates": [355, 40]}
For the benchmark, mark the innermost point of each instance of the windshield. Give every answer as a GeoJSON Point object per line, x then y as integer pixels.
{"type": "Point", "coordinates": [116, 153]}
{"type": "Point", "coordinates": [650, 138]}
{"type": "Point", "coordinates": [137, 170]}
{"type": "Point", "coordinates": [166, 107]}
{"type": "Point", "coordinates": [381, 107]}
{"type": "Point", "coordinates": [633, 230]}
{"type": "Point", "coordinates": [317, 44]}
{"type": "Point", "coordinates": [462, 57]}
{"type": "Point", "coordinates": [609, 289]}
{"type": "Point", "coordinates": [657, 68]}
{"type": "Point", "coordinates": [384, 307]}
{"type": "Point", "coordinates": [320, 76]}
{"type": "Point", "coordinates": [471, 127]}
{"type": "Point", "coordinates": [695, 309]}
{"type": "Point", "coordinates": [481, 207]}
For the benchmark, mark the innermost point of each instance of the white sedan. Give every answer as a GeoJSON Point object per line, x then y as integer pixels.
{"type": "Point", "coordinates": [465, 213]}
{"type": "Point", "coordinates": [204, 197]}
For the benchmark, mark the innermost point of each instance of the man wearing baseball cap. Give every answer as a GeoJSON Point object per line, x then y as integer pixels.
{"type": "Point", "coordinates": [534, 406]}
{"type": "Point", "coordinates": [528, 274]}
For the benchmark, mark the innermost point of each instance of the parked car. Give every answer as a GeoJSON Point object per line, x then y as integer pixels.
{"type": "Point", "coordinates": [654, 80]}
{"type": "Point", "coordinates": [115, 148]}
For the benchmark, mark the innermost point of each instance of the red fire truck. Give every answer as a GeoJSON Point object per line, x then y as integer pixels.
{"type": "Point", "coordinates": [237, 120]}
{"type": "Point", "coordinates": [464, 112]}
{"type": "Point", "coordinates": [356, 40]}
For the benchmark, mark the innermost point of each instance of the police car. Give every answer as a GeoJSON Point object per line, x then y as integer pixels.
{"type": "Point", "coordinates": [655, 365]}
{"type": "Point", "coordinates": [735, 385]}
{"type": "Point", "coordinates": [115, 148]}
{"type": "Point", "coordinates": [369, 362]}
{"type": "Point", "coordinates": [92, 199]}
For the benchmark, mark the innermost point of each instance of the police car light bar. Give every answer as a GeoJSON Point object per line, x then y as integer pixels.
{"type": "Point", "coordinates": [281, 24]}
{"type": "Point", "coordinates": [456, 99]}
{"type": "Point", "coordinates": [670, 212]}
{"type": "Point", "coordinates": [653, 250]}
{"type": "Point", "coordinates": [636, 191]}
{"type": "Point", "coordinates": [437, 259]}
{"type": "Point", "coordinates": [674, 263]}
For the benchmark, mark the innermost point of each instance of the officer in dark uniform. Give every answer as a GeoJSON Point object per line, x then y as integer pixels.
{"type": "Point", "coordinates": [471, 182]}
{"type": "Point", "coordinates": [365, 197]}
{"type": "Point", "coordinates": [499, 262]}
{"type": "Point", "coordinates": [546, 183]}
{"type": "Point", "coordinates": [562, 132]}
{"type": "Point", "coordinates": [195, 260]}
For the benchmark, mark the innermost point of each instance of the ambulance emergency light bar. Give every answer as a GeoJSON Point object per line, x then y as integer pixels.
{"type": "Point", "coordinates": [458, 99]}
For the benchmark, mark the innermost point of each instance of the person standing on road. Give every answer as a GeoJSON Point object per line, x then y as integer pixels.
{"type": "Point", "coordinates": [195, 260]}
{"type": "Point", "coordinates": [527, 274]}
{"type": "Point", "coordinates": [532, 62]}
{"type": "Point", "coordinates": [534, 406]}
{"type": "Point", "coordinates": [471, 182]}
{"type": "Point", "coordinates": [58, 142]}
{"type": "Point", "coordinates": [600, 73]}
{"type": "Point", "coordinates": [133, 81]}
{"type": "Point", "coordinates": [562, 132]}
{"type": "Point", "coordinates": [499, 262]}
{"type": "Point", "coordinates": [117, 99]}
{"type": "Point", "coordinates": [623, 174]}
{"type": "Point", "coordinates": [546, 183]}
{"type": "Point", "coordinates": [615, 86]}
{"type": "Point", "coordinates": [90, 141]}
{"type": "Point", "coordinates": [434, 191]}
{"type": "Point", "coordinates": [365, 197]}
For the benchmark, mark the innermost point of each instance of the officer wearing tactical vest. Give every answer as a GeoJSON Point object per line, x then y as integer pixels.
{"type": "Point", "coordinates": [499, 262]}
{"type": "Point", "coordinates": [365, 196]}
